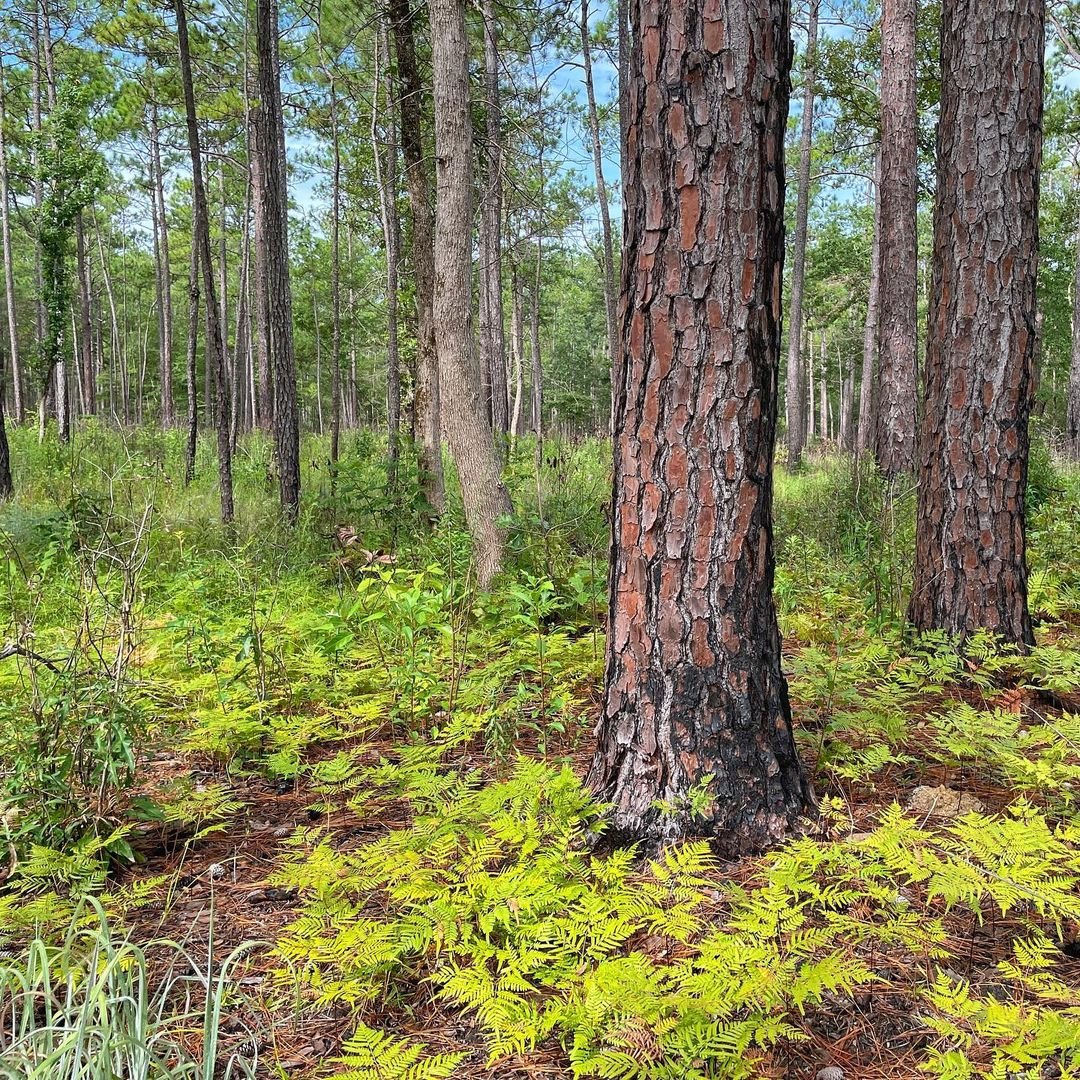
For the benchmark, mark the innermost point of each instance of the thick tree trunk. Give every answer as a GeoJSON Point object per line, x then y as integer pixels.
{"type": "Point", "coordinates": [898, 249]}
{"type": "Point", "coordinates": [1072, 400]}
{"type": "Point", "coordinates": [797, 416]}
{"type": "Point", "coordinates": [493, 343]}
{"type": "Point", "coordinates": [275, 218]}
{"type": "Point", "coordinates": [468, 432]}
{"type": "Point", "coordinates": [610, 303]}
{"type": "Point", "coordinates": [18, 403]}
{"type": "Point", "coordinates": [695, 696]}
{"type": "Point", "coordinates": [385, 158]}
{"type": "Point", "coordinates": [970, 564]}
{"type": "Point", "coordinates": [168, 407]}
{"type": "Point", "coordinates": [215, 346]}
{"type": "Point", "coordinates": [867, 398]}
{"type": "Point", "coordinates": [426, 395]}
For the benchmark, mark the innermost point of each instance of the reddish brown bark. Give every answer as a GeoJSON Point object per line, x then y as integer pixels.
{"type": "Point", "coordinates": [898, 241]}
{"type": "Point", "coordinates": [694, 690]}
{"type": "Point", "coordinates": [970, 568]}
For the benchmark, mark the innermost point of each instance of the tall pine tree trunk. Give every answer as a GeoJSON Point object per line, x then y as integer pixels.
{"type": "Point", "coordinates": [468, 432]}
{"type": "Point", "coordinates": [492, 337]}
{"type": "Point", "coordinates": [899, 241]}
{"type": "Point", "coordinates": [18, 403]}
{"type": "Point", "coordinates": [970, 559]}
{"type": "Point", "coordinates": [87, 379]}
{"type": "Point", "coordinates": [795, 392]}
{"type": "Point", "coordinates": [385, 158]}
{"type": "Point", "coordinates": [168, 407]}
{"type": "Point", "coordinates": [190, 370]}
{"type": "Point", "coordinates": [1072, 399]}
{"type": "Point", "coordinates": [215, 346]}
{"type": "Point", "coordinates": [335, 280]}
{"type": "Point", "coordinates": [426, 395]}
{"type": "Point", "coordinates": [610, 303]}
{"type": "Point", "coordinates": [694, 693]}
{"type": "Point", "coordinates": [275, 218]}
{"type": "Point", "coordinates": [867, 398]}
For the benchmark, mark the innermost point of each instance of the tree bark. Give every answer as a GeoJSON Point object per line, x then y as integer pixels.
{"type": "Point", "coordinates": [970, 561]}
{"type": "Point", "coordinates": [385, 158]}
{"type": "Point", "coordinates": [867, 398]}
{"type": "Point", "coordinates": [275, 217]}
{"type": "Point", "coordinates": [493, 342]}
{"type": "Point", "coordinates": [191, 373]}
{"type": "Point", "coordinates": [426, 394]}
{"type": "Point", "coordinates": [797, 417]}
{"type": "Point", "coordinates": [694, 693]}
{"type": "Point", "coordinates": [168, 406]}
{"type": "Point", "coordinates": [257, 157]}
{"type": "Point", "coordinates": [1072, 400]}
{"type": "Point", "coordinates": [215, 348]}
{"type": "Point", "coordinates": [87, 379]}
{"type": "Point", "coordinates": [468, 432]}
{"type": "Point", "coordinates": [899, 240]}
{"type": "Point", "coordinates": [18, 402]}
{"type": "Point", "coordinates": [7, 487]}
{"type": "Point", "coordinates": [610, 303]}
{"type": "Point", "coordinates": [335, 280]}
{"type": "Point", "coordinates": [517, 351]}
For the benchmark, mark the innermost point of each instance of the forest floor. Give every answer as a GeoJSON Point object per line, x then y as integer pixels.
{"type": "Point", "coordinates": [369, 774]}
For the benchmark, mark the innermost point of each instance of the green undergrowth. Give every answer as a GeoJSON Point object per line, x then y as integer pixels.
{"type": "Point", "coordinates": [355, 662]}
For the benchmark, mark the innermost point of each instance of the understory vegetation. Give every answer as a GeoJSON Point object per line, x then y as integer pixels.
{"type": "Point", "coordinates": [307, 802]}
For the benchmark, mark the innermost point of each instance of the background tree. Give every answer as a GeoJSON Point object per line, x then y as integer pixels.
{"type": "Point", "coordinates": [970, 563]}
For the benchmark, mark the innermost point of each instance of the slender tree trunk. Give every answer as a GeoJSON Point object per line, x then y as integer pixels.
{"type": "Point", "coordinates": [1072, 400]}
{"type": "Point", "coordinates": [275, 216]}
{"type": "Point", "coordinates": [899, 240]}
{"type": "Point", "coordinates": [385, 158]}
{"type": "Point", "coordinates": [116, 357]}
{"type": "Point", "coordinates": [87, 381]}
{"type": "Point", "coordinates": [223, 276]}
{"type": "Point", "coordinates": [190, 370]}
{"type": "Point", "coordinates": [215, 347]}
{"type": "Point", "coordinates": [470, 437]}
{"type": "Point", "coordinates": [426, 395]}
{"type": "Point", "coordinates": [257, 157]}
{"type": "Point", "coordinates": [39, 198]}
{"type": "Point", "coordinates": [517, 349]}
{"type": "Point", "coordinates": [537, 367]}
{"type": "Point", "coordinates": [694, 693]}
{"type": "Point", "coordinates": [867, 397]}
{"type": "Point", "coordinates": [610, 303]}
{"type": "Point", "coordinates": [18, 402]}
{"type": "Point", "coordinates": [242, 338]}
{"type": "Point", "coordinates": [493, 345]}
{"type": "Point", "coordinates": [168, 406]}
{"type": "Point", "coordinates": [335, 280]}
{"type": "Point", "coordinates": [7, 487]}
{"type": "Point", "coordinates": [797, 418]}
{"type": "Point", "coordinates": [823, 397]}
{"type": "Point", "coordinates": [970, 560]}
